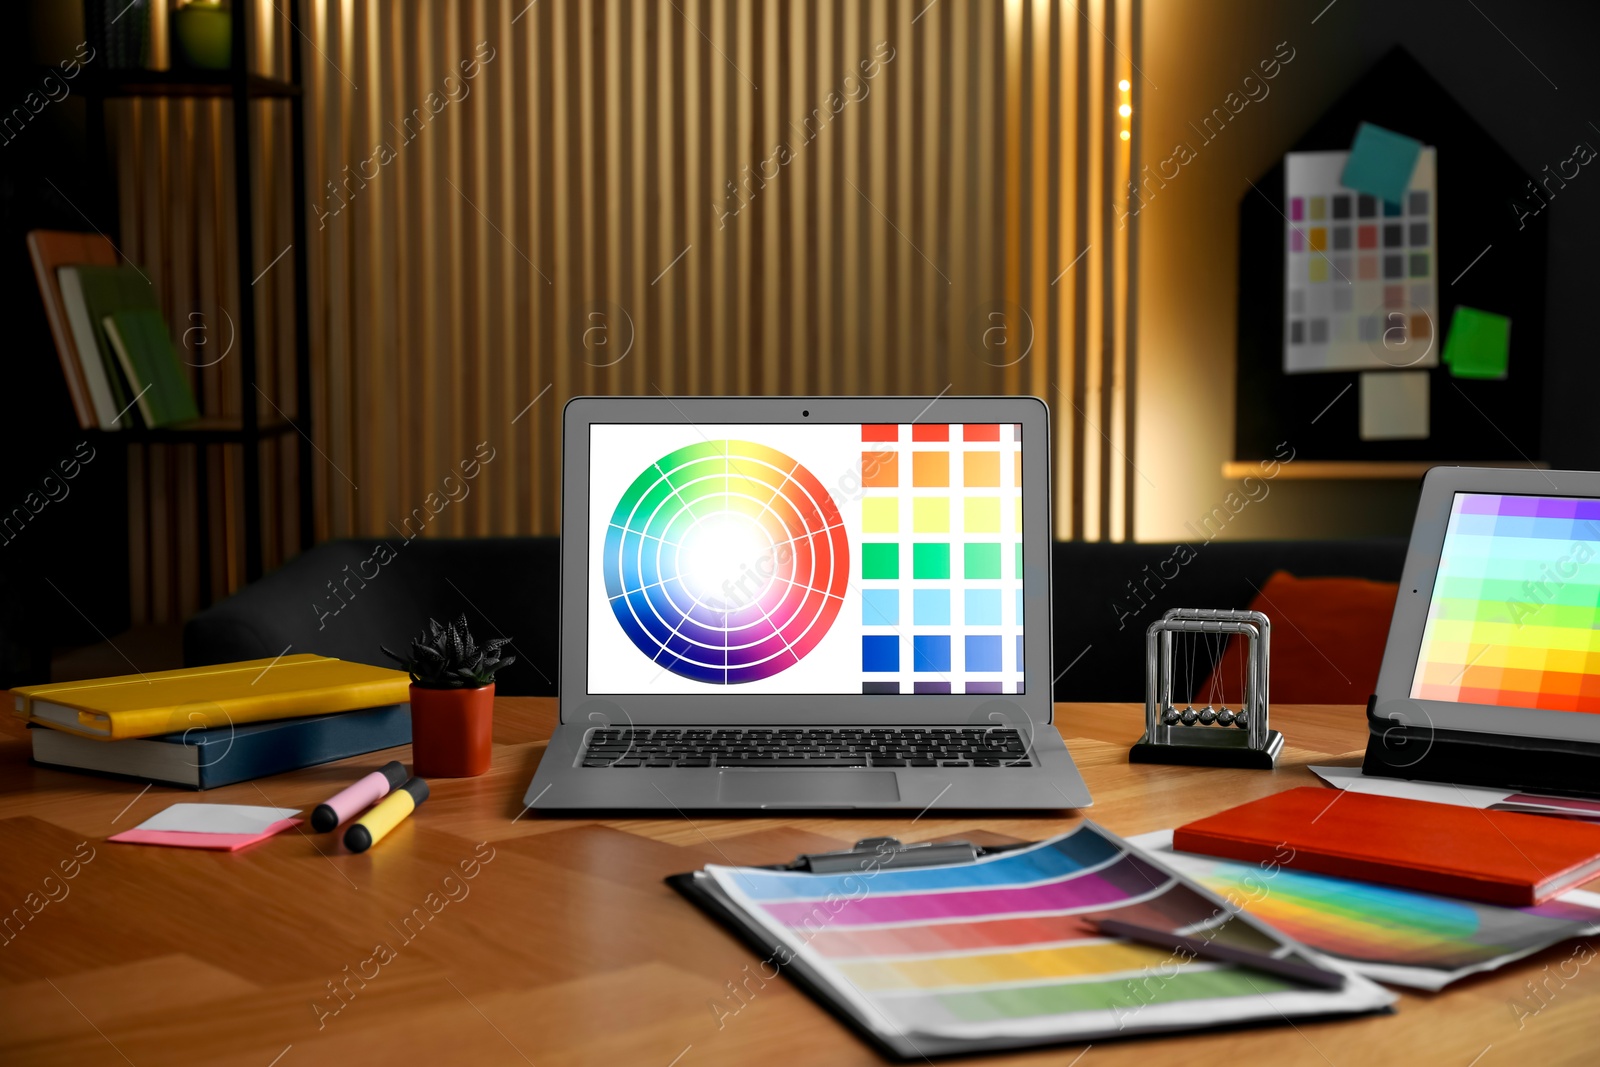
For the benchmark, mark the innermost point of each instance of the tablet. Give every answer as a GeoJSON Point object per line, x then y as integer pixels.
{"type": "Point", "coordinates": [1496, 629]}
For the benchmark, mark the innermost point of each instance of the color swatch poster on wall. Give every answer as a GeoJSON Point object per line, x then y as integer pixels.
{"type": "Point", "coordinates": [844, 558]}
{"type": "Point", "coordinates": [1361, 287]}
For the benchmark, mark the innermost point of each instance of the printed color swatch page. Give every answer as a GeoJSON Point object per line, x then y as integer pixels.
{"type": "Point", "coordinates": [1388, 934]}
{"type": "Point", "coordinates": [1515, 614]}
{"type": "Point", "coordinates": [1005, 948]}
{"type": "Point", "coordinates": [1360, 274]}
{"type": "Point", "coordinates": [879, 559]}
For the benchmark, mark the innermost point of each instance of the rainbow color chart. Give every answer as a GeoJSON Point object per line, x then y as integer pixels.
{"type": "Point", "coordinates": [1004, 947]}
{"type": "Point", "coordinates": [726, 561]}
{"type": "Point", "coordinates": [1515, 615]}
{"type": "Point", "coordinates": [1418, 939]}
{"type": "Point", "coordinates": [941, 558]}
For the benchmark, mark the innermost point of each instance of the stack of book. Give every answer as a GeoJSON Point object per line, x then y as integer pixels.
{"type": "Point", "coordinates": [203, 727]}
{"type": "Point", "coordinates": [116, 352]}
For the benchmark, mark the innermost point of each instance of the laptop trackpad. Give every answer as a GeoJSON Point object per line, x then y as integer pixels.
{"type": "Point", "coordinates": [825, 789]}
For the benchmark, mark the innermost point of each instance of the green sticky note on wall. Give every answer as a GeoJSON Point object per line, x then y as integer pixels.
{"type": "Point", "coordinates": [1479, 345]}
{"type": "Point", "coordinates": [1380, 163]}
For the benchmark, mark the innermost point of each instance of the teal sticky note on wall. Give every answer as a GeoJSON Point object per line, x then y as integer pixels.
{"type": "Point", "coordinates": [1479, 345]}
{"type": "Point", "coordinates": [1380, 163]}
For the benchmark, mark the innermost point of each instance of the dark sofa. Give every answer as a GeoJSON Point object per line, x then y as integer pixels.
{"type": "Point", "coordinates": [345, 598]}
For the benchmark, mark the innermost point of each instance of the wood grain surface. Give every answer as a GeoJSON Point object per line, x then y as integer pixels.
{"type": "Point", "coordinates": [480, 934]}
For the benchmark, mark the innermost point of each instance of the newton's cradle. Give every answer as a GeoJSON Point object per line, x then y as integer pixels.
{"type": "Point", "coordinates": [1215, 735]}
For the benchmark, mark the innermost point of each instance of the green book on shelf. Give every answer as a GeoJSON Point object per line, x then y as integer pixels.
{"type": "Point", "coordinates": [90, 293]}
{"type": "Point", "coordinates": [144, 349]}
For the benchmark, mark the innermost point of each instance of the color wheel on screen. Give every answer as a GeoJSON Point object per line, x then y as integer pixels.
{"type": "Point", "coordinates": [726, 562]}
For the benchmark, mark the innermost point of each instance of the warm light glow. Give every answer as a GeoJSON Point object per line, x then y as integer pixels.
{"type": "Point", "coordinates": [1125, 110]}
{"type": "Point", "coordinates": [1123, 85]}
{"type": "Point", "coordinates": [1125, 135]}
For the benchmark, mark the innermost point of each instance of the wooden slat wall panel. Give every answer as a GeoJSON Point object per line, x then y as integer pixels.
{"type": "Point", "coordinates": [633, 196]}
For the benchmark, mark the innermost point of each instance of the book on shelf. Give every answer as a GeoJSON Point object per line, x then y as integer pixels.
{"type": "Point", "coordinates": [217, 756]}
{"type": "Point", "coordinates": [91, 293]}
{"type": "Point", "coordinates": [85, 373]}
{"type": "Point", "coordinates": [150, 363]}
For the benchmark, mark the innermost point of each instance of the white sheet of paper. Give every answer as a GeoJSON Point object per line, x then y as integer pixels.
{"type": "Point", "coordinates": [1394, 405]}
{"type": "Point", "coordinates": [1465, 796]}
{"type": "Point", "coordinates": [217, 818]}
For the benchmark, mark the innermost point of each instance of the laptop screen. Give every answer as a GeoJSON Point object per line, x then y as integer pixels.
{"type": "Point", "coordinates": [1515, 614]}
{"type": "Point", "coordinates": [794, 559]}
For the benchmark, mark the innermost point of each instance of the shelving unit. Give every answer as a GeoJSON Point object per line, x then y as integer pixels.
{"type": "Point", "coordinates": [1358, 469]}
{"type": "Point", "coordinates": [244, 89]}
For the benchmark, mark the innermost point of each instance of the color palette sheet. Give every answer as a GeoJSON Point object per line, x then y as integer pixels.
{"type": "Point", "coordinates": [1514, 619]}
{"type": "Point", "coordinates": [1361, 273]}
{"type": "Point", "coordinates": [1418, 940]}
{"type": "Point", "coordinates": [1004, 952]}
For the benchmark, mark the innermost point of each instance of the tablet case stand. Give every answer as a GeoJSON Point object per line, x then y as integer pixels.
{"type": "Point", "coordinates": [1465, 757]}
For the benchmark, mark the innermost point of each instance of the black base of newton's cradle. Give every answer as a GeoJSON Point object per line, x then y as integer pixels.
{"type": "Point", "coordinates": [1206, 756]}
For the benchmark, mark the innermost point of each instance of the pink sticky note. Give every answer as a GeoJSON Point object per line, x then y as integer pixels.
{"type": "Point", "coordinates": [180, 839]}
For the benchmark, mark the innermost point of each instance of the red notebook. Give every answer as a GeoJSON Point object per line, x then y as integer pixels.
{"type": "Point", "coordinates": [1500, 857]}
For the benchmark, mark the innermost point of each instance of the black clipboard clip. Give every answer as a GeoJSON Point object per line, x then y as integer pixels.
{"type": "Point", "coordinates": [888, 851]}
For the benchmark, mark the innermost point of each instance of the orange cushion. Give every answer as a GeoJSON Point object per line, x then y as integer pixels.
{"type": "Point", "coordinates": [1327, 641]}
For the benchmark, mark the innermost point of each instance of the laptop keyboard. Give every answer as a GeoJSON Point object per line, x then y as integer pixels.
{"type": "Point", "coordinates": [806, 747]}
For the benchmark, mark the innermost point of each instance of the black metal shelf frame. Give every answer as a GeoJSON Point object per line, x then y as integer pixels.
{"type": "Point", "coordinates": [242, 88]}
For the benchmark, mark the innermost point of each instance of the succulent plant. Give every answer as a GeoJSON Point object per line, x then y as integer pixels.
{"type": "Point", "coordinates": [446, 657]}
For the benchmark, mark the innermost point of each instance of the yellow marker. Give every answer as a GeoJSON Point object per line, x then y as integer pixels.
{"type": "Point", "coordinates": [385, 815]}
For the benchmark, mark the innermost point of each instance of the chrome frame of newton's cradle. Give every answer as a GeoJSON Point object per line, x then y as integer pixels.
{"type": "Point", "coordinates": [1223, 744]}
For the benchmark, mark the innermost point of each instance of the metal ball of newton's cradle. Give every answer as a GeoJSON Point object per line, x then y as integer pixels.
{"type": "Point", "coordinates": [1208, 715]}
{"type": "Point", "coordinates": [1225, 717]}
{"type": "Point", "coordinates": [1190, 716]}
{"type": "Point", "coordinates": [1242, 720]}
{"type": "Point", "coordinates": [1171, 716]}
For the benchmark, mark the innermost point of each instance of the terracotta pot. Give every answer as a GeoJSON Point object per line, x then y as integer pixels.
{"type": "Point", "coordinates": [451, 731]}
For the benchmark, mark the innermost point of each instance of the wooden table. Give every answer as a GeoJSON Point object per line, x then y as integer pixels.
{"type": "Point", "coordinates": [563, 946]}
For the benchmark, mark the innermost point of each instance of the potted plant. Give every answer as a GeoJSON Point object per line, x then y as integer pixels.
{"type": "Point", "coordinates": [452, 699]}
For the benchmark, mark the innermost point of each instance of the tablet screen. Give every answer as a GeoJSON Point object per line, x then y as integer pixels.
{"type": "Point", "coordinates": [1514, 618]}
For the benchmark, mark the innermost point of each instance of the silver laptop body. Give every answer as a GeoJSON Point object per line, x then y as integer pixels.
{"type": "Point", "coordinates": [806, 603]}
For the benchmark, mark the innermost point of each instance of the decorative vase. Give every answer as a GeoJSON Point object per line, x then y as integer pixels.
{"type": "Point", "coordinates": [203, 34]}
{"type": "Point", "coordinates": [451, 731]}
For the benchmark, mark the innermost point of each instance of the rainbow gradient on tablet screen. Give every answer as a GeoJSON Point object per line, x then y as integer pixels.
{"type": "Point", "coordinates": [726, 561]}
{"type": "Point", "coordinates": [1515, 615]}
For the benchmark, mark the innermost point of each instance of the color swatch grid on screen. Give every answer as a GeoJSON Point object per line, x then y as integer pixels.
{"type": "Point", "coordinates": [1515, 615]}
{"type": "Point", "coordinates": [1010, 939]}
{"type": "Point", "coordinates": [941, 558]}
{"type": "Point", "coordinates": [726, 561]}
{"type": "Point", "coordinates": [1360, 274]}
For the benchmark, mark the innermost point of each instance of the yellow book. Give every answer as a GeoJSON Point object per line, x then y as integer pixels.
{"type": "Point", "coordinates": [168, 702]}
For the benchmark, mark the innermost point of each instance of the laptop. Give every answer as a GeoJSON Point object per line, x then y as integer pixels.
{"type": "Point", "coordinates": [806, 603]}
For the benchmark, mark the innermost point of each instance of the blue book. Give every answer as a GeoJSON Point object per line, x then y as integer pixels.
{"type": "Point", "coordinates": [223, 755]}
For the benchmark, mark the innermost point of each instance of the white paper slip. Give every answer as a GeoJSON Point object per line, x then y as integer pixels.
{"type": "Point", "coordinates": [217, 818]}
{"type": "Point", "coordinates": [1394, 405]}
{"type": "Point", "coordinates": [1465, 796]}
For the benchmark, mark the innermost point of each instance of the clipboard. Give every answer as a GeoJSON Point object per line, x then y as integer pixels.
{"type": "Point", "coordinates": [778, 958]}
{"type": "Point", "coordinates": [701, 890]}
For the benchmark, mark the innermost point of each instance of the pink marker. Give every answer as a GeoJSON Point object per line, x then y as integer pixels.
{"type": "Point", "coordinates": [349, 802]}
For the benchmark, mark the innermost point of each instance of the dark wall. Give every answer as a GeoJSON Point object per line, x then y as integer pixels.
{"type": "Point", "coordinates": [1530, 78]}
{"type": "Point", "coordinates": [64, 555]}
